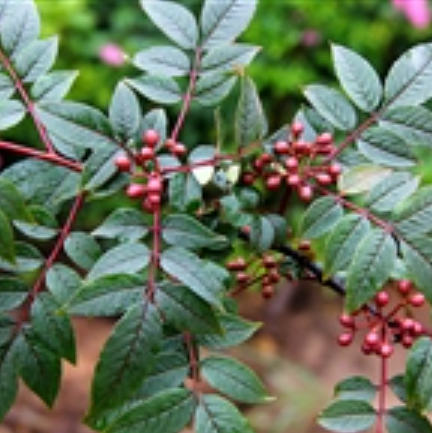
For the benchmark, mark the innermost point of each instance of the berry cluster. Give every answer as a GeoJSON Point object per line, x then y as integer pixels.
{"type": "Point", "coordinates": [146, 180]}
{"type": "Point", "coordinates": [264, 271]}
{"type": "Point", "coordinates": [387, 323]}
{"type": "Point", "coordinates": [296, 163]}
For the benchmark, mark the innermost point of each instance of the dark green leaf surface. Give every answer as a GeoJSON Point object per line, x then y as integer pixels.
{"type": "Point", "coordinates": [211, 89]}
{"type": "Point", "coordinates": [62, 281]}
{"type": "Point", "coordinates": [7, 247]}
{"type": "Point", "coordinates": [53, 86]}
{"type": "Point", "coordinates": [82, 249]}
{"type": "Point", "coordinates": [11, 113]}
{"type": "Point", "coordinates": [12, 203]}
{"type": "Point", "coordinates": [13, 292]}
{"type": "Point", "coordinates": [157, 88]}
{"type": "Point", "coordinates": [404, 420]}
{"type": "Point", "coordinates": [356, 388]}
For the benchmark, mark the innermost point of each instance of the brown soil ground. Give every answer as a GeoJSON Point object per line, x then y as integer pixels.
{"type": "Point", "coordinates": [295, 352]}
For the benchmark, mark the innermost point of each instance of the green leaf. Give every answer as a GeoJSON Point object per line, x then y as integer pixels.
{"type": "Point", "coordinates": [127, 357]}
{"type": "Point", "coordinates": [412, 124]}
{"type": "Point", "coordinates": [347, 416]}
{"type": "Point", "coordinates": [235, 330]}
{"type": "Point", "coordinates": [78, 124]}
{"type": "Point", "coordinates": [185, 231]}
{"type": "Point", "coordinates": [397, 385]}
{"type": "Point", "coordinates": [234, 379]}
{"type": "Point", "coordinates": [372, 265]}
{"type": "Point", "coordinates": [12, 203]}
{"type": "Point", "coordinates": [357, 77]}
{"type": "Point", "coordinates": [27, 259]}
{"type": "Point", "coordinates": [125, 113]}
{"type": "Point", "coordinates": [407, 82]}
{"type": "Point", "coordinates": [230, 58]}
{"type": "Point", "coordinates": [36, 59]}
{"type": "Point", "coordinates": [168, 412]}
{"type": "Point", "coordinates": [11, 113]}
{"type": "Point", "coordinates": [160, 89]}
{"type": "Point", "coordinates": [185, 310]}
{"type": "Point", "coordinates": [188, 268]}
{"type": "Point", "coordinates": [415, 217]}
{"type": "Point", "coordinates": [124, 224]}
{"type": "Point", "coordinates": [332, 106]}
{"type": "Point", "coordinates": [43, 227]}
{"type": "Point", "coordinates": [156, 119]}
{"type": "Point", "coordinates": [167, 60]}
{"type": "Point", "coordinates": [211, 89]}
{"type": "Point", "coordinates": [174, 20]}
{"type": "Point", "coordinates": [7, 247]}
{"type": "Point", "coordinates": [386, 148]}
{"type": "Point", "coordinates": [51, 328]}
{"type": "Point", "coordinates": [204, 158]}
{"type": "Point", "coordinates": [13, 292]}
{"type": "Point", "coordinates": [20, 25]}
{"type": "Point", "coordinates": [53, 86]}
{"type": "Point", "coordinates": [356, 388]}
{"type": "Point", "coordinates": [7, 87]}
{"type": "Point", "coordinates": [418, 376]}
{"type": "Point", "coordinates": [262, 233]}
{"type": "Point", "coordinates": [404, 420]}
{"type": "Point", "coordinates": [185, 193]}
{"type": "Point", "coordinates": [391, 191]}
{"type": "Point", "coordinates": [40, 368]}
{"type": "Point", "coordinates": [217, 415]}
{"type": "Point", "coordinates": [82, 249]}
{"type": "Point", "coordinates": [127, 258]}
{"type": "Point", "coordinates": [62, 281]}
{"type": "Point", "coordinates": [362, 178]}
{"type": "Point", "coordinates": [106, 296]}
{"type": "Point", "coordinates": [251, 124]}
{"type": "Point", "coordinates": [321, 217]}
{"type": "Point", "coordinates": [222, 21]}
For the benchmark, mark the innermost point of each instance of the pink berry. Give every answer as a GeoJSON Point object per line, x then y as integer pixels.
{"type": "Point", "coordinates": [150, 138]}
{"type": "Point", "coordinates": [306, 193]}
{"type": "Point", "coordinates": [324, 139]}
{"type": "Point", "coordinates": [345, 339]}
{"type": "Point", "coordinates": [154, 185]}
{"type": "Point", "coordinates": [147, 153]}
{"type": "Point", "coordinates": [135, 190]}
{"type": "Point", "coordinates": [282, 147]}
{"type": "Point", "coordinates": [179, 149]}
{"type": "Point", "coordinates": [123, 163]}
{"type": "Point", "coordinates": [382, 298]}
{"type": "Point", "coordinates": [292, 163]}
{"type": "Point", "coordinates": [347, 321]}
{"type": "Point", "coordinates": [273, 182]}
{"type": "Point", "coordinates": [417, 299]}
{"type": "Point", "coordinates": [334, 170]}
{"type": "Point", "coordinates": [293, 180]}
{"type": "Point", "coordinates": [297, 128]}
{"type": "Point", "coordinates": [372, 339]}
{"type": "Point", "coordinates": [405, 286]}
{"type": "Point", "coordinates": [386, 350]}
{"type": "Point", "coordinates": [324, 179]}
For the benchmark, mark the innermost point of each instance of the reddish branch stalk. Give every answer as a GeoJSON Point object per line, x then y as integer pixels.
{"type": "Point", "coordinates": [193, 359]}
{"type": "Point", "coordinates": [382, 395]}
{"type": "Point", "coordinates": [44, 156]}
{"type": "Point", "coordinates": [28, 102]}
{"type": "Point", "coordinates": [155, 256]}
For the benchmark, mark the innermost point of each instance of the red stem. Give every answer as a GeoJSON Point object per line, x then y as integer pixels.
{"type": "Point", "coordinates": [28, 102]}
{"type": "Point", "coordinates": [382, 395]}
{"type": "Point", "coordinates": [45, 156]}
{"type": "Point", "coordinates": [155, 255]}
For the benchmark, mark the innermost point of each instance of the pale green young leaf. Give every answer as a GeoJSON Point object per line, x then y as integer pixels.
{"type": "Point", "coordinates": [188, 268]}
{"type": "Point", "coordinates": [36, 59]}
{"type": "Point", "coordinates": [407, 82]}
{"type": "Point", "coordinates": [404, 420]}
{"type": "Point", "coordinates": [53, 86]}
{"type": "Point", "coordinates": [250, 121]}
{"type": "Point", "coordinates": [332, 106]}
{"type": "Point", "coordinates": [124, 224]}
{"type": "Point", "coordinates": [174, 20]}
{"type": "Point", "coordinates": [347, 416]}
{"type": "Point", "coordinates": [222, 21]}
{"type": "Point", "coordinates": [185, 310]}
{"type": "Point", "coordinates": [321, 217]}
{"type": "Point", "coordinates": [371, 267]}
{"type": "Point", "coordinates": [127, 357]}
{"type": "Point", "coordinates": [357, 77]}
{"type": "Point", "coordinates": [186, 231]}
{"type": "Point", "coordinates": [384, 147]}
{"type": "Point", "coordinates": [167, 412]}
{"type": "Point", "coordinates": [163, 60]}
{"type": "Point", "coordinates": [228, 58]}
{"type": "Point", "coordinates": [362, 178]}
{"type": "Point", "coordinates": [211, 89]}
{"type": "Point", "coordinates": [125, 113]}
{"type": "Point", "coordinates": [13, 292]}
{"type": "Point", "coordinates": [7, 247]}
{"type": "Point", "coordinates": [394, 189]}
{"type": "Point", "coordinates": [217, 415]}
{"type": "Point", "coordinates": [234, 379]}
{"type": "Point", "coordinates": [11, 113]}
{"type": "Point", "coordinates": [418, 376]}
{"type": "Point", "coordinates": [127, 258]}
{"type": "Point", "coordinates": [157, 88]}
{"type": "Point", "coordinates": [82, 249]}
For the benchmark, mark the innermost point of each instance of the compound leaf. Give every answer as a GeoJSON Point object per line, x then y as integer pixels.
{"type": "Point", "coordinates": [404, 420]}
{"type": "Point", "coordinates": [157, 88]}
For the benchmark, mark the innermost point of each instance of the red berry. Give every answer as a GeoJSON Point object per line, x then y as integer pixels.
{"type": "Point", "coordinates": [274, 276]}
{"type": "Point", "coordinates": [302, 147]}
{"type": "Point", "coordinates": [148, 206]}
{"type": "Point", "coordinates": [136, 190]}
{"type": "Point", "coordinates": [179, 149]}
{"type": "Point", "coordinates": [273, 182]}
{"type": "Point", "coordinates": [334, 170]}
{"type": "Point", "coordinates": [417, 329]}
{"type": "Point", "coordinates": [242, 277]}
{"type": "Point", "coordinates": [417, 299]}
{"type": "Point", "coordinates": [292, 163]}
{"type": "Point", "coordinates": [147, 153]}
{"type": "Point", "coordinates": [386, 350]}
{"type": "Point", "coordinates": [266, 158]}
{"type": "Point", "coordinates": [282, 147]}
{"type": "Point", "coordinates": [347, 321]}
{"type": "Point", "coordinates": [267, 291]}
{"type": "Point", "coordinates": [154, 199]}
{"type": "Point", "coordinates": [372, 339]}
{"type": "Point", "coordinates": [324, 178]}
{"type": "Point", "coordinates": [407, 324]}
{"type": "Point", "coordinates": [324, 139]}
{"type": "Point", "coordinates": [293, 180]}
{"type": "Point", "coordinates": [297, 128]}
{"type": "Point", "coordinates": [269, 262]}
{"type": "Point", "coordinates": [238, 264]}
{"type": "Point", "coordinates": [306, 192]}
{"type": "Point", "coordinates": [405, 286]}
{"type": "Point", "coordinates": [407, 341]}
{"type": "Point", "coordinates": [154, 185]}
{"type": "Point", "coordinates": [123, 163]}
{"type": "Point", "coordinates": [346, 339]}
{"type": "Point", "coordinates": [170, 143]}
{"type": "Point", "coordinates": [150, 138]}
{"type": "Point", "coordinates": [382, 298]}
{"type": "Point", "coordinates": [248, 178]}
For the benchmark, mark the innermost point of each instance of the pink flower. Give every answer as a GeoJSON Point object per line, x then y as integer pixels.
{"type": "Point", "coordinates": [417, 12]}
{"type": "Point", "coordinates": [112, 54]}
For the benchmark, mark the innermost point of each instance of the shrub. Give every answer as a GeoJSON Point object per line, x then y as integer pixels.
{"type": "Point", "coordinates": [204, 222]}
